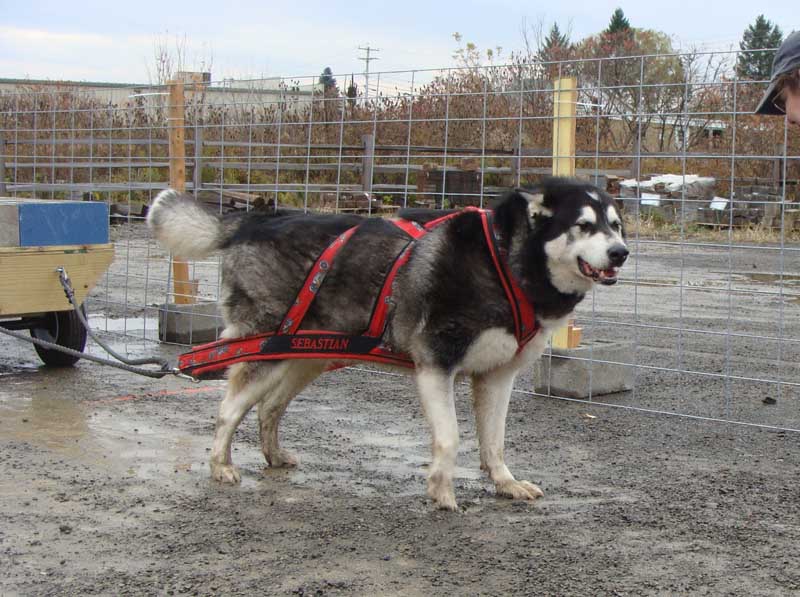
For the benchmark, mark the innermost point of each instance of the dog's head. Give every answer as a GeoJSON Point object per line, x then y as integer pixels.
{"type": "Point", "coordinates": [574, 227]}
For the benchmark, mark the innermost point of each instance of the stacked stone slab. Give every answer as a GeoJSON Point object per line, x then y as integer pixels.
{"type": "Point", "coordinates": [753, 205]}
{"type": "Point", "coordinates": [762, 202]}
{"type": "Point", "coordinates": [672, 197]}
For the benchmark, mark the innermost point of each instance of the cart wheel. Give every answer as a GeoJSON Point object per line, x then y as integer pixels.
{"type": "Point", "coordinates": [63, 328]}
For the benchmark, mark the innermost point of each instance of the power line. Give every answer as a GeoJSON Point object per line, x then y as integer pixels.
{"type": "Point", "coordinates": [367, 59]}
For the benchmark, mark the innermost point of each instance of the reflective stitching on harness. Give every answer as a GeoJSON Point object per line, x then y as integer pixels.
{"type": "Point", "coordinates": [289, 342]}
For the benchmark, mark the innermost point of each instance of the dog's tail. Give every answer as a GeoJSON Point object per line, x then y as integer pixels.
{"type": "Point", "coordinates": [183, 226]}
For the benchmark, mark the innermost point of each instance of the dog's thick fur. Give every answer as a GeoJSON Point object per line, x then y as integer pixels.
{"type": "Point", "coordinates": [449, 311]}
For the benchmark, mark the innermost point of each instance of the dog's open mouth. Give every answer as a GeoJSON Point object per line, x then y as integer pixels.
{"type": "Point", "coordinates": [604, 276]}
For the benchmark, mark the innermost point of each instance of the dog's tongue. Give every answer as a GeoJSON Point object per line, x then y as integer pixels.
{"type": "Point", "coordinates": [599, 275]}
{"type": "Point", "coordinates": [609, 273]}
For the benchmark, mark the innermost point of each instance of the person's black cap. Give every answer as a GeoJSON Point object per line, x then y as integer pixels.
{"type": "Point", "coordinates": [787, 59]}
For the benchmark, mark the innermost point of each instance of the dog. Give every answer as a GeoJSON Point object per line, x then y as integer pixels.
{"type": "Point", "coordinates": [449, 312]}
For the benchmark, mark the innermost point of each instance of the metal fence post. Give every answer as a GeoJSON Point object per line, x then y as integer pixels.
{"type": "Point", "coordinates": [197, 173]}
{"type": "Point", "coordinates": [367, 163]}
{"type": "Point", "coordinates": [516, 161]}
{"type": "Point", "coordinates": [198, 82]}
{"type": "Point", "coordinates": [2, 164]}
{"type": "Point", "coordinates": [636, 165]}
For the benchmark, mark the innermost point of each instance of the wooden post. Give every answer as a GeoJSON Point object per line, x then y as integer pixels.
{"type": "Point", "coordinates": [565, 97]}
{"type": "Point", "coordinates": [183, 289]}
{"type": "Point", "coordinates": [777, 166]}
{"type": "Point", "coordinates": [422, 183]}
{"type": "Point", "coordinates": [177, 146]}
{"type": "Point", "coordinates": [368, 141]}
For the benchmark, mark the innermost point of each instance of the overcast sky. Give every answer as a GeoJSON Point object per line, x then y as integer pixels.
{"type": "Point", "coordinates": [114, 41]}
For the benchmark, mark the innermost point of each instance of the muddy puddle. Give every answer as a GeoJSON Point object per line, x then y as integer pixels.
{"type": "Point", "coordinates": [776, 279]}
{"type": "Point", "coordinates": [124, 437]}
{"type": "Point", "coordinates": [787, 284]}
{"type": "Point", "coordinates": [117, 442]}
{"type": "Point", "coordinates": [137, 327]}
{"type": "Point", "coordinates": [767, 278]}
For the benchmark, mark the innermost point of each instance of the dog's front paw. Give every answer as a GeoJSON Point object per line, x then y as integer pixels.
{"type": "Point", "coordinates": [442, 494]}
{"type": "Point", "coordinates": [519, 490]}
{"type": "Point", "coordinates": [225, 473]}
{"type": "Point", "coordinates": [281, 459]}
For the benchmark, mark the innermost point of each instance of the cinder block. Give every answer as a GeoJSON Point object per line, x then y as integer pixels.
{"type": "Point", "coordinates": [189, 324]}
{"type": "Point", "coordinates": [572, 374]}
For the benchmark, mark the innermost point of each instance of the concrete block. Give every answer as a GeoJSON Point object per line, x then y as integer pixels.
{"type": "Point", "coordinates": [189, 324]}
{"type": "Point", "coordinates": [570, 373]}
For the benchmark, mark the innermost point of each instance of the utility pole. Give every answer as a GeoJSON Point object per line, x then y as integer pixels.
{"type": "Point", "coordinates": [367, 59]}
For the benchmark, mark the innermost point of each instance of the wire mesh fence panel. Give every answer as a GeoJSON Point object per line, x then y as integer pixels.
{"type": "Point", "coordinates": [705, 321]}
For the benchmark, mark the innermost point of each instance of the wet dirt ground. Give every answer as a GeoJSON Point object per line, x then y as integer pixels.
{"type": "Point", "coordinates": [105, 490]}
{"type": "Point", "coordinates": [104, 484]}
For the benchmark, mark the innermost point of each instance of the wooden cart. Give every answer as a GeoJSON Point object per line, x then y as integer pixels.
{"type": "Point", "coordinates": [37, 238]}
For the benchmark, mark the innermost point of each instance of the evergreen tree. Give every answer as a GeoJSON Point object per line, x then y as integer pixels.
{"type": "Point", "coordinates": [619, 23]}
{"type": "Point", "coordinates": [352, 91]}
{"type": "Point", "coordinates": [326, 79]}
{"type": "Point", "coordinates": [618, 39]}
{"type": "Point", "coordinates": [555, 40]}
{"type": "Point", "coordinates": [556, 46]}
{"type": "Point", "coordinates": [760, 35]}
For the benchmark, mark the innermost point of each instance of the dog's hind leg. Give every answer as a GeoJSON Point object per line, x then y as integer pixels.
{"type": "Point", "coordinates": [491, 394]}
{"type": "Point", "coordinates": [438, 401]}
{"type": "Point", "coordinates": [271, 408]}
{"type": "Point", "coordinates": [247, 384]}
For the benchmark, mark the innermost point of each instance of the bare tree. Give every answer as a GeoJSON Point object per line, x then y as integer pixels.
{"type": "Point", "coordinates": [171, 56]}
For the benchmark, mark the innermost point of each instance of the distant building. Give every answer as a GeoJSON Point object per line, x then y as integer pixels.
{"type": "Point", "coordinates": [261, 92]}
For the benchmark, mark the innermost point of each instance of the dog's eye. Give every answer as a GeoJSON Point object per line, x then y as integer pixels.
{"type": "Point", "coordinates": [616, 225]}
{"type": "Point", "coordinates": [586, 227]}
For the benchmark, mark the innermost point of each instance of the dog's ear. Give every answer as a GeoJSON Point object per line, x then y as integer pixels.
{"type": "Point", "coordinates": [519, 211]}
{"type": "Point", "coordinates": [535, 201]}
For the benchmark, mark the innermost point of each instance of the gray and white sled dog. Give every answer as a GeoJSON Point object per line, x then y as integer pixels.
{"type": "Point", "coordinates": [448, 311]}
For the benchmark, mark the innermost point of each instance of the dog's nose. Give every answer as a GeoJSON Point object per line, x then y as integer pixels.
{"type": "Point", "coordinates": [618, 254]}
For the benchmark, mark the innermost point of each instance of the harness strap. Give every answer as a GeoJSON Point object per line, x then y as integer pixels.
{"type": "Point", "coordinates": [302, 345]}
{"type": "Point", "coordinates": [413, 229]}
{"type": "Point", "coordinates": [521, 309]}
{"type": "Point", "coordinates": [294, 317]}
{"type": "Point", "coordinates": [308, 291]}
{"type": "Point", "coordinates": [377, 323]}
{"type": "Point", "coordinates": [434, 223]}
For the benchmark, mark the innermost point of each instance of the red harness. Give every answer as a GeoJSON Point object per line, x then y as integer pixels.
{"type": "Point", "coordinates": [290, 342]}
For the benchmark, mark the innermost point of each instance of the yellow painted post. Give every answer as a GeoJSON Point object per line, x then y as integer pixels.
{"type": "Point", "coordinates": [565, 97]}
{"type": "Point", "coordinates": [183, 288]}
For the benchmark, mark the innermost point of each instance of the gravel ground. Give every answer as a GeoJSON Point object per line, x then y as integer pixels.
{"type": "Point", "coordinates": [105, 486]}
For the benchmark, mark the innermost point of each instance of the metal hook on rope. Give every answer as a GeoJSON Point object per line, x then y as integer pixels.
{"type": "Point", "coordinates": [124, 363]}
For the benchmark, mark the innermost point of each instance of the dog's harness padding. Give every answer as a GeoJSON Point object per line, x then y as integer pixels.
{"type": "Point", "coordinates": [290, 342]}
